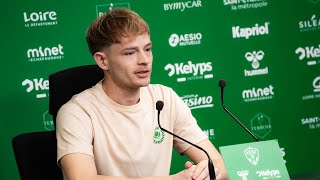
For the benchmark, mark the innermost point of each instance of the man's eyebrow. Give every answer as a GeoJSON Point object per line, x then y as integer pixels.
{"type": "Point", "coordinates": [136, 47]}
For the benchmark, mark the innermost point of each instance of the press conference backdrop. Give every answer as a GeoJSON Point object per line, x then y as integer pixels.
{"type": "Point", "coordinates": [268, 52]}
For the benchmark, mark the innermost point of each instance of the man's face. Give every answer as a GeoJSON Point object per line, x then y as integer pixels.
{"type": "Point", "coordinates": [130, 62]}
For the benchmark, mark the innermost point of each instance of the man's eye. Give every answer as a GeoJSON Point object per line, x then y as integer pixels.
{"type": "Point", "coordinates": [148, 49]}
{"type": "Point", "coordinates": [129, 53]}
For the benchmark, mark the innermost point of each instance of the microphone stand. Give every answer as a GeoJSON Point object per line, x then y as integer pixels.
{"type": "Point", "coordinates": [159, 106]}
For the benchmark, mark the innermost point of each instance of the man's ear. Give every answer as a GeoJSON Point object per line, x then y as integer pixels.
{"type": "Point", "coordinates": [101, 60]}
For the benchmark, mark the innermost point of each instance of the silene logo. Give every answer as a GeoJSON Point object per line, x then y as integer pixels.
{"type": "Point", "coordinates": [311, 122]}
{"type": "Point", "coordinates": [158, 136]}
{"type": "Point", "coordinates": [36, 19]}
{"type": "Point", "coordinates": [311, 24]}
{"type": "Point", "coordinates": [309, 53]}
{"type": "Point", "coordinates": [261, 125]}
{"type": "Point", "coordinates": [40, 86]}
{"type": "Point", "coordinates": [185, 39]}
{"type": "Point", "coordinates": [45, 53]}
{"type": "Point", "coordinates": [245, 4]}
{"type": "Point", "coordinates": [194, 101]}
{"type": "Point", "coordinates": [209, 133]}
{"type": "Point", "coordinates": [254, 57]}
{"type": "Point", "coordinates": [190, 71]}
{"type": "Point", "coordinates": [104, 8]}
{"type": "Point", "coordinates": [252, 155]}
{"type": "Point", "coordinates": [182, 5]}
{"type": "Point", "coordinates": [258, 94]}
{"type": "Point", "coordinates": [247, 32]}
{"type": "Point", "coordinates": [243, 174]}
{"type": "Point", "coordinates": [316, 90]}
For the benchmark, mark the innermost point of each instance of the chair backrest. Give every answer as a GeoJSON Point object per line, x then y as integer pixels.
{"type": "Point", "coordinates": [66, 83]}
{"type": "Point", "coordinates": [36, 156]}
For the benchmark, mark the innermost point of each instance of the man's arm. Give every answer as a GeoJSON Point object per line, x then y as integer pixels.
{"type": "Point", "coordinates": [197, 156]}
{"type": "Point", "coordinates": [78, 166]}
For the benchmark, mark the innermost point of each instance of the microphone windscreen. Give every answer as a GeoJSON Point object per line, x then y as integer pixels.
{"type": "Point", "coordinates": [222, 83]}
{"type": "Point", "coordinates": [159, 105]}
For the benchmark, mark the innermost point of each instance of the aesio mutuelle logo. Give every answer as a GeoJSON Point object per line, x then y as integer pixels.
{"type": "Point", "coordinates": [38, 85]}
{"type": "Point", "coordinates": [190, 70]}
{"type": "Point", "coordinates": [185, 39]}
{"type": "Point", "coordinates": [182, 5]}
{"type": "Point", "coordinates": [247, 32]}
{"type": "Point", "coordinates": [46, 53]}
{"type": "Point", "coordinates": [36, 19]}
{"type": "Point", "coordinates": [309, 53]}
{"type": "Point", "coordinates": [254, 57]}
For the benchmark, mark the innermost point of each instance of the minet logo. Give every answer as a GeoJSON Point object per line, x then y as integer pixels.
{"type": "Point", "coordinates": [185, 39]}
{"type": "Point", "coordinates": [36, 85]}
{"type": "Point", "coordinates": [182, 5]}
{"type": "Point", "coordinates": [47, 53]}
{"type": "Point", "coordinates": [196, 102]}
{"type": "Point", "coordinates": [256, 94]}
{"type": "Point", "coordinates": [195, 71]}
{"type": "Point", "coordinates": [254, 58]}
{"type": "Point", "coordinates": [247, 32]}
{"type": "Point", "coordinates": [35, 19]}
{"type": "Point", "coordinates": [310, 25]}
{"type": "Point", "coordinates": [308, 52]}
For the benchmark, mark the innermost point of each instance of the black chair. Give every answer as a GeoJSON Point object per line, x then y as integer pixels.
{"type": "Point", "coordinates": [66, 83]}
{"type": "Point", "coordinates": [36, 156]}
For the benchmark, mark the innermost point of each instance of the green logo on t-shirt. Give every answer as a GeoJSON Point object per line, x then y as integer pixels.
{"type": "Point", "coordinates": [158, 136]}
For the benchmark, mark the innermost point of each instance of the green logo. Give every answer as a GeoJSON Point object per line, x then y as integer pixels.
{"type": "Point", "coordinates": [261, 125]}
{"type": "Point", "coordinates": [314, 1]}
{"type": "Point", "coordinates": [104, 8]}
{"type": "Point", "coordinates": [158, 136]}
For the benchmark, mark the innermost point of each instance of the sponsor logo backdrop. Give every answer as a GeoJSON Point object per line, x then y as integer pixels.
{"type": "Point", "coordinates": [267, 51]}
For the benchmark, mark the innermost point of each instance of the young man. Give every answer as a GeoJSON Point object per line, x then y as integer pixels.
{"type": "Point", "coordinates": [110, 131]}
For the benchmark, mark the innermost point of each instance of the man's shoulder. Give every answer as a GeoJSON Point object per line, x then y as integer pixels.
{"type": "Point", "coordinates": [158, 87]}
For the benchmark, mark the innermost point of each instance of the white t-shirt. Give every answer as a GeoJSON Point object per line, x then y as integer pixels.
{"type": "Point", "coordinates": [126, 140]}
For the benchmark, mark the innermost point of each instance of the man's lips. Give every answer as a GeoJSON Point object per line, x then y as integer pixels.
{"type": "Point", "coordinates": [142, 73]}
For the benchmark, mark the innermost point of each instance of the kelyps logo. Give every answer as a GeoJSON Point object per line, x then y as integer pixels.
{"type": "Point", "coordinates": [37, 85]}
{"type": "Point", "coordinates": [35, 19]}
{"type": "Point", "coordinates": [309, 53]}
{"type": "Point", "coordinates": [190, 71]}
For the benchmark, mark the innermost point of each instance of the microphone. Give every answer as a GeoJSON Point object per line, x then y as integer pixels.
{"type": "Point", "coordinates": [159, 106]}
{"type": "Point", "coordinates": [222, 84]}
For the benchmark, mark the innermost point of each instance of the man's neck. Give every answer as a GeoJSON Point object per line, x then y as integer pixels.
{"type": "Point", "coordinates": [125, 97]}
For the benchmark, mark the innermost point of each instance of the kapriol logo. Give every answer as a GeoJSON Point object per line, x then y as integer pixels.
{"type": "Point", "coordinates": [188, 39]}
{"type": "Point", "coordinates": [252, 155]}
{"type": "Point", "coordinates": [309, 53]}
{"type": "Point", "coordinates": [42, 18]}
{"type": "Point", "coordinates": [182, 5]}
{"type": "Point", "coordinates": [312, 122]}
{"type": "Point", "coordinates": [37, 86]}
{"type": "Point", "coordinates": [258, 94]}
{"type": "Point", "coordinates": [254, 58]}
{"type": "Point", "coordinates": [190, 71]}
{"type": "Point", "coordinates": [245, 4]}
{"type": "Point", "coordinates": [310, 24]}
{"type": "Point", "coordinates": [247, 32]}
{"type": "Point", "coordinates": [315, 93]}
{"type": "Point", "coordinates": [104, 8]}
{"type": "Point", "coordinates": [194, 101]}
{"type": "Point", "coordinates": [45, 53]}
{"type": "Point", "coordinates": [209, 133]}
{"type": "Point", "coordinates": [261, 125]}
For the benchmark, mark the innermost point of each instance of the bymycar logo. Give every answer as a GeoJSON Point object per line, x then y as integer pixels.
{"type": "Point", "coordinates": [194, 101]}
{"type": "Point", "coordinates": [245, 4]}
{"type": "Point", "coordinates": [36, 85]}
{"type": "Point", "coordinates": [254, 57]}
{"type": "Point", "coordinates": [182, 5]}
{"type": "Point", "coordinates": [190, 70]}
{"type": "Point", "coordinates": [310, 25]}
{"type": "Point", "coordinates": [309, 53]}
{"type": "Point", "coordinates": [256, 94]}
{"type": "Point", "coordinates": [35, 19]}
{"type": "Point", "coordinates": [247, 32]}
{"type": "Point", "coordinates": [46, 53]}
{"type": "Point", "coordinates": [316, 90]}
{"type": "Point", "coordinates": [104, 8]}
{"type": "Point", "coordinates": [185, 39]}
